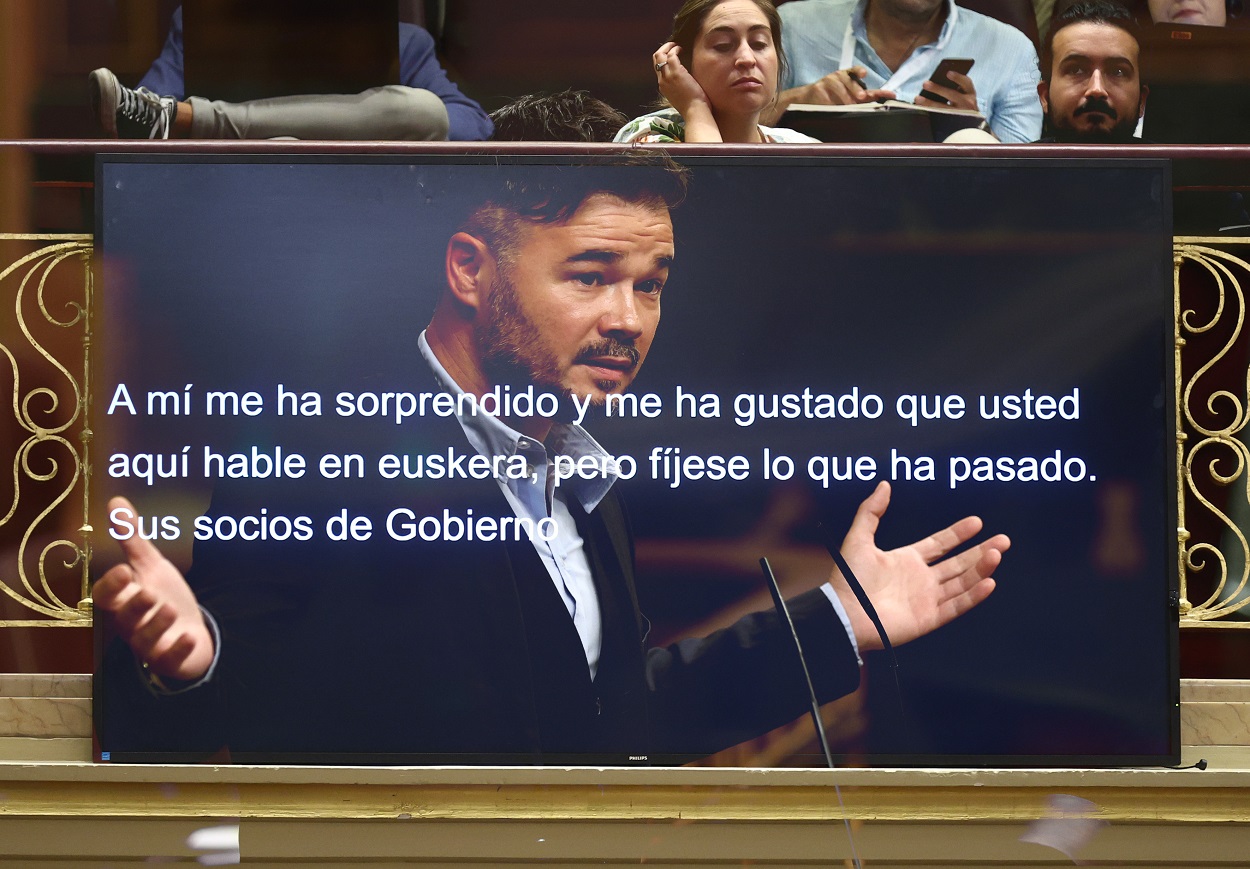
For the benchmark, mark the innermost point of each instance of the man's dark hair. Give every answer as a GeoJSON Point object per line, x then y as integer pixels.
{"type": "Point", "coordinates": [567, 116]}
{"type": "Point", "coordinates": [1106, 12]}
{"type": "Point", "coordinates": [549, 195]}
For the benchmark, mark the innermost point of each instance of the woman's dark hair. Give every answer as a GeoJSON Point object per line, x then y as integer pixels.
{"type": "Point", "coordinates": [689, 21]}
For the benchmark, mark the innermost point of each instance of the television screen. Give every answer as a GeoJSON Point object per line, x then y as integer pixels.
{"type": "Point", "coordinates": [445, 487]}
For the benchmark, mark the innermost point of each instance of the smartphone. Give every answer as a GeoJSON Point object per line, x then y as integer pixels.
{"type": "Point", "coordinates": [948, 64]}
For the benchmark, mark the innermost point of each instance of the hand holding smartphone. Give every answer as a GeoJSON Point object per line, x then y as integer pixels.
{"type": "Point", "coordinates": [960, 65]}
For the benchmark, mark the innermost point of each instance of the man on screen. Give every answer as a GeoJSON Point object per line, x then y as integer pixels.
{"type": "Point", "coordinates": [526, 648]}
{"type": "Point", "coordinates": [1091, 88]}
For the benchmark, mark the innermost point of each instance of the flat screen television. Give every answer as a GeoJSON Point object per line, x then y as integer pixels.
{"type": "Point", "coordinates": [992, 337]}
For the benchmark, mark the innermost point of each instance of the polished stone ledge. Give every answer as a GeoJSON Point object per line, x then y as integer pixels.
{"type": "Point", "coordinates": [1215, 691]}
{"type": "Point", "coordinates": [52, 717]}
{"type": "Point", "coordinates": [45, 685]}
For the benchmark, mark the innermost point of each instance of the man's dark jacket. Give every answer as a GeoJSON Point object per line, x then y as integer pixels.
{"type": "Point", "coordinates": [419, 651]}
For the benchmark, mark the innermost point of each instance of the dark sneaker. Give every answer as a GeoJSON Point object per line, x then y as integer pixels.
{"type": "Point", "coordinates": [127, 113]}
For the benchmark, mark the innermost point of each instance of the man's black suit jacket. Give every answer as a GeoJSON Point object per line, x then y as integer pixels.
{"type": "Point", "coordinates": [415, 651]}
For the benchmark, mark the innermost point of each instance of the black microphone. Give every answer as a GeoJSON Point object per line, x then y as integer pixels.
{"type": "Point", "coordinates": [834, 547]}
{"type": "Point", "coordinates": [784, 611]}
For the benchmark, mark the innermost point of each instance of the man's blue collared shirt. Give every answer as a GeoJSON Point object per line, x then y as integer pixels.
{"type": "Point", "coordinates": [1005, 71]}
{"type": "Point", "coordinates": [541, 496]}
{"type": "Point", "coordinates": [537, 496]}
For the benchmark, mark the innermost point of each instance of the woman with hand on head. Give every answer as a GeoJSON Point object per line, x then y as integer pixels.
{"type": "Point", "coordinates": [717, 73]}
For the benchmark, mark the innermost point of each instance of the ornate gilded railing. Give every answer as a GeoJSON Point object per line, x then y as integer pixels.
{"type": "Point", "coordinates": [53, 445]}
{"type": "Point", "coordinates": [1213, 458]}
{"type": "Point", "coordinates": [42, 569]}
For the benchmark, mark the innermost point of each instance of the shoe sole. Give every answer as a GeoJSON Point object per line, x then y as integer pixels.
{"type": "Point", "coordinates": [104, 98]}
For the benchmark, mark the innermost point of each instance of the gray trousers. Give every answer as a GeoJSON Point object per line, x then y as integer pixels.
{"type": "Point", "coordinates": [393, 112]}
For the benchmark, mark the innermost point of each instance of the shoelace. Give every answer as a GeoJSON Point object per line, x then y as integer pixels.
{"type": "Point", "coordinates": [144, 107]}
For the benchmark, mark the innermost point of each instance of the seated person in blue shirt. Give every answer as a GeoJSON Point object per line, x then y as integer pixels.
{"type": "Point", "coordinates": [849, 51]}
{"type": "Point", "coordinates": [426, 106]}
{"type": "Point", "coordinates": [718, 73]}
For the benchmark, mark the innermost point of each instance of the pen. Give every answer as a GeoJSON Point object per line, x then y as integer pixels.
{"type": "Point", "coordinates": [856, 79]}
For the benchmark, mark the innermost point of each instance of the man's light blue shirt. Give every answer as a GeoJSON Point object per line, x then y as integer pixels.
{"type": "Point", "coordinates": [541, 496]}
{"type": "Point", "coordinates": [537, 496]}
{"type": "Point", "coordinates": [1005, 73]}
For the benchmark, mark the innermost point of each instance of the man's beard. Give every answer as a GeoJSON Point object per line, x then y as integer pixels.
{"type": "Point", "coordinates": [513, 352]}
{"type": "Point", "coordinates": [1120, 132]}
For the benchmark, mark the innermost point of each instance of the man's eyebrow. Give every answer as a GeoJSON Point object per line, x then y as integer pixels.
{"type": "Point", "coordinates": [1088, 59]}
{"type": "Point", "coordinates": [608, 257]}
{"type": "Point", "coordinates": [595, 256]}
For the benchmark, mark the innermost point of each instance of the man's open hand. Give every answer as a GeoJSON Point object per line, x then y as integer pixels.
{"type": "Point", "coordinates": [915, 588]}
{"type": "Point", "coordinates": [154, 609]}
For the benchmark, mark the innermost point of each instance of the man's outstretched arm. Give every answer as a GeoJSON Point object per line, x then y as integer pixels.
{"type": "Point", "coordinates": [154, 609]}
{"type": "Point", "coordinates": [916, 588]}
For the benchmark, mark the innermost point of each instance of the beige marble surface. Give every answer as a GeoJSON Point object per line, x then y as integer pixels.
{"type": "Point", "coordinates": [43, 749]}
{"type": "Point", "coordinates": [45, 717]}
{"type": "Point", "coordinates": [45, 684]}
{"type": "Point", "coordinates": [1215, 723]}
{"type": "Point", "coordinates": [1215, 690]}
{"type": "Point", "coordinates": [1219, 758]}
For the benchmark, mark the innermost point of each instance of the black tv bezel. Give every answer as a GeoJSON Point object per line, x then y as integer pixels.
{"type": "Point", "coordinates": [766, 157]}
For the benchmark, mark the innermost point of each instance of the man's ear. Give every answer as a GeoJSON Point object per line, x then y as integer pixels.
{"type": "Point", "coordinates": [1043, 93]}
{"type": "Point", "coordinates": [469, 267]}
{"type": "Point", "coordinates": [1141, 106]}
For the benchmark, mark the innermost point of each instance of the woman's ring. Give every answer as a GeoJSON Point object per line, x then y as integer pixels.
{"type": "Point", "coordinates": [659, 66]}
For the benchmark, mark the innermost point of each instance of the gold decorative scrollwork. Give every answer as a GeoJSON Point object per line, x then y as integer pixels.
{"type": "Point", "coordinates": [1212, 404]}
{"type": "Point", "coordinates": [50, 412]}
